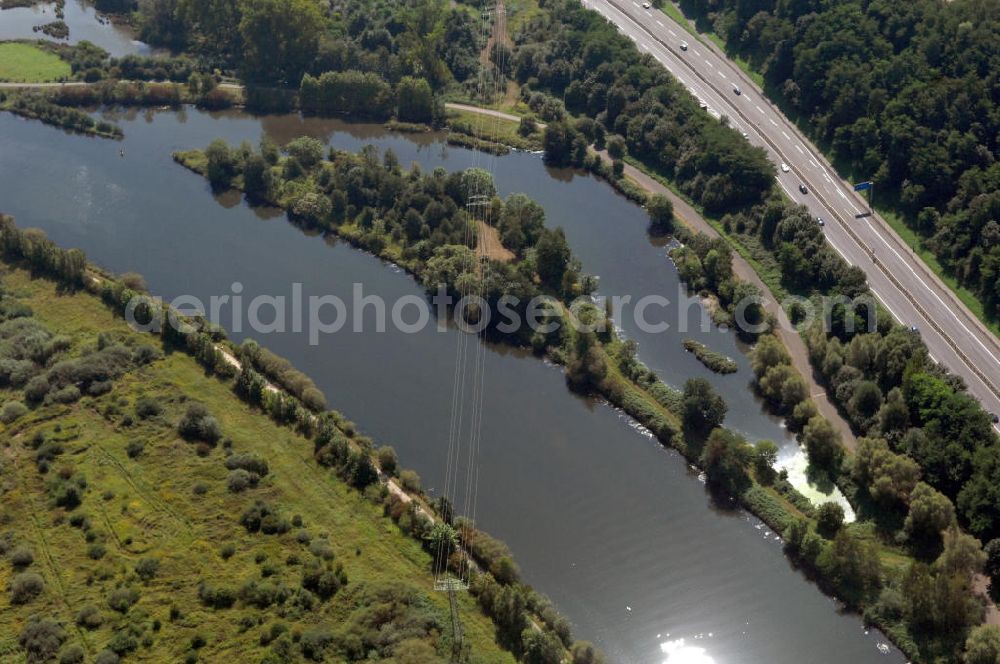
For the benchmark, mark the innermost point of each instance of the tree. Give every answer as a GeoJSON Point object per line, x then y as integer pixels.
{"type": "Point", "coordinates": [661, 213]}
{"type": "Point", "coordinates": [829, 519]}
{"type": "Point", "coordinates": [308, 150]}
{"type": "Point", "coordinates": [552, 256]}
{"type": "Point", "coordinates": [280, 39]}
{"type": "Point", "coordinates": [765, 455]}
{"type": "Point", "coordinates": [558, 144]}
{"type": "Point", "coordinates": [963, 554]}
{"type": "Point", "coordinates": [726, 458]}
{"type": "Point", "coordinates": [540, 647]}
{"type": "Point", "coordinates": [822, 443]}
{"type": "Point", "coordinates": [414, 100]}
{"type": "Point", "coordinates": [616, 148]}
{"type": "Point", "coordinates": [257, 178]}
{"type": "Point", "coordinates": [222, 165]}
{"type": "Point", "coordinates": [983, 645]}
{"type": "Point", "coordinates": [930, 514]}
{"type": "Point", "coordinates": [992, 566]}
{"type": "Point", "coordinates": [888, 477]}
{"type": "Point", "coordinates": [702, 406]}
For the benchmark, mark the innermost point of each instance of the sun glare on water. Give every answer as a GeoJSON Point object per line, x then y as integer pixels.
{"type": "Point", "coordinates": [679, 652]}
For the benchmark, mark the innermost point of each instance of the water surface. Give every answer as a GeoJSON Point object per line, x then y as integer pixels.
{"type": "Point", "coordinates": [616, 529]}
{"type": "Point", "coordinates": [85, 24]}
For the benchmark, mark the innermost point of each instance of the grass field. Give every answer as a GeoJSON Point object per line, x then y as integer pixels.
{"type": "Point", "coordinates": [171, 503]}
{"type": "Point", "coordinates": [24, 63]}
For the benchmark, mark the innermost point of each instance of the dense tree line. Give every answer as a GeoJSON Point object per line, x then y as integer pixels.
{"type": "Point", "coordinates": [574, 54]}
{"type": "Point", "coordinates": [902, 93]}
{"type": "Point", "coordinates": [420, 220]}
{"type": "Point", "coordinates": [275, 42]}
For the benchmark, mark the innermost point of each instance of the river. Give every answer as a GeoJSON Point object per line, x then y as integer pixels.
{"type": "Point", "coordinates": [84, 22]}
{"type": "Point", "coordinates": [617, 530]}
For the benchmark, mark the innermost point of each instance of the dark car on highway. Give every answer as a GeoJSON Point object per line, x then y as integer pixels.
{"type": "Point", "coordinates": [803, 189]}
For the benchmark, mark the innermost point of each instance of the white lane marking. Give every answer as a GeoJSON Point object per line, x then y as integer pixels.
{"type": "Point", "coordinates": [813, 162]}
{"type": "Point", "coordinates": [787, 137]}
{"type": "Point", "coordinates": [799, 149]}
{"type": "Point", "coordinates": [697, 53]}
{"type": "Point", "coordinates": [760, 109]}
{"type": "Point", "coordinates": [672, 33]}
{"type": "Point", "coordinates": [659, 22]}
{"type": "Point", "coordinates": [722, 75]}
{"type": "Point", "coordinates": [708, 63]}
{"type": "Point", "coordinates": [936, 296]}
{"type": "Point", "coordinates": [771, 120]}
{"type": "Point", "coordinates": [649, 14]}
{"type": "Point", "coordinates": [782, 185]}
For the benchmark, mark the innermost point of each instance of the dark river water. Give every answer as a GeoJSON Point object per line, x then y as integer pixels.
{"type": "Point", "coordinates": [84, 25]}
{"type": "Point", "coordinates": [616, 529]}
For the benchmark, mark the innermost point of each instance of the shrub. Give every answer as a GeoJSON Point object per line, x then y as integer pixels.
{"type": "Point", "coordinates": [71, 655]}
{"type": "Point", "coordinates": [68, 394]}
{"type": "Point", "coordinates": [12, 411]}
{"type": "Point", "coordinates": [198, 424]}
{"type": "Point", "coordinates": [147, 568]}
{"type": "Point", "coordinates": [21, 557]}
{"type": "Point", "coordinates": [240, 480]}
{"type": "Point", "coordinates": [89, 617]}
{"type": "Point", "coordinates": [122, 642]}
{"type": "Point", "coordinates": [36, 389]}
{"type": "Point", "coordinates": [314, 644]}
{"type": "Point", "coordinates": [134, 449]}
{"type": "Point", "coordinates": [25, 587]}
{"type": "Point", "coordinates": [106, 657]}
{"type": "Point", "coordinates": [250, 462]}
{"type": "Point", "coordinates": [217, 598]}
{"type": "Point", "coordinates": [96, 551]}
{"type": "Point", "coordinates": [387, 460]}
{"type": "Point", "coordinates": [410, 481]}
{"type": "Point", "coordinates": [227, 551]}
{"type": "Point", "coordinates": [147, 407]}
{"type": "Point", "coordinates": [42, 638]}
{"type": "Point", "coordinates": [121, 599]}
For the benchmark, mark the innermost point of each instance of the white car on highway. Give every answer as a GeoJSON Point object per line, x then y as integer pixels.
{"type": "Point", "coordinates": [684, 46]}
{"type": "Point", "coordinates": [784, 167]}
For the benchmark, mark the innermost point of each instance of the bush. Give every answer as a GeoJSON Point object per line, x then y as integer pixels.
{"type": "Point", "coordinates": [134, 449]}
{"type": "Point", "coordinates": [198, 424]}
{"type": "Point", "coordinates": [106, 657]}
{"type": "Point", "coordinates": [68, 394]}
{"type": "Point", "coordinates": [240, 480]}
{"type": "Point", "coordinates": [89, 617]}
{"type": "Point", "coordinates": [121, 599]}
{"type": "Point", "coordinates": [42, 638]}
{"type": "Point", "coordinates": [410, 481]}
{"type": "Point", "coordinates": [387, 460]}
{"type": "Point", "coordinates": [36, 389]}
{"type": "Point", "coordinates": [21, 557]}
{"type": "Point", "coordinates": [73, 654]}
{"type": "Point", "coordinates": [12, 411]}
{"type": "Point", "coordinates": [147, 407]}
{"type": "Point", "coordinates": [26, 587]}
{"type": "Point", "coordinates": [96, 551]}
{"type": "Point", "coordinates": [147, 568]}
{"type": "Point", "coordinates": [250, 462]}
{"type": "Point", "coordinates": [227, 551]}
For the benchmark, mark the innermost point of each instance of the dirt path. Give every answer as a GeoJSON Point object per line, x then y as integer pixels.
{"type": "Point", "coordinates": [793, 342]}
{"type": "Point", "coordinates": [488, 244]}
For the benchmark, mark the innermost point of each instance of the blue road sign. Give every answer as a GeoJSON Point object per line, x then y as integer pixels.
{"type": "Point", "coordinates": [861, 186]}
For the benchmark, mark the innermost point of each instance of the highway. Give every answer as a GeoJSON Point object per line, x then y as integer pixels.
{"type": "Point", "coordinates": [908, 289]}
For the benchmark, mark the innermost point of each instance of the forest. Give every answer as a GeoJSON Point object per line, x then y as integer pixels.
{"type": "Point", "coordinates": [903, 94]}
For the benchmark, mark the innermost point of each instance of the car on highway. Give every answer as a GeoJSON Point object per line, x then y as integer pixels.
{"type": "Point", "coordinates": [995, 418]}
{"type": "Point", "coordinates": [645, 5]}
{"type": "Point", "coordinates": [819, 220]}
{"type": "Point", "coordinates": [684, 46]}
{"type": "Point", "coordinates": [736, 90]}
{"type": "Point", "coordinates": [803, 189]}
{"type": "Point", "coordinates": [784, 167]}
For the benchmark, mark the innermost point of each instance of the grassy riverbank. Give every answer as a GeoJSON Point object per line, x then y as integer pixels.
{"type": "Point", "coordinates": [151, 495]}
